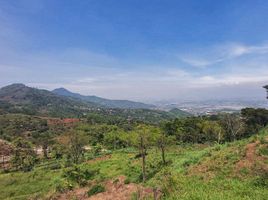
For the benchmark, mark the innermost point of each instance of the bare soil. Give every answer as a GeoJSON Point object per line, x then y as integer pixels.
{"type": "Point", "coordinates": [114, 190]}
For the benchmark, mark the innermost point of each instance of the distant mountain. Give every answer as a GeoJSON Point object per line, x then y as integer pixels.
{"type": "Point", "coordinates": [23, 99]}
{"type": "Point", "coordinates": [124, 104]}
{"type": "Point", "coordinates": [19, 98]}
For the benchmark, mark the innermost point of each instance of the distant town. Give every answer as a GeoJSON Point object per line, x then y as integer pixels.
{"type": "Point", "coordinates": [211, 107]}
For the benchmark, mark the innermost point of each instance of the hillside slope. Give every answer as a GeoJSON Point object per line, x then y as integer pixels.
{"type": "Point", "coordinates": [124, 104]}
{"type": "Point", "coordinates": [231, 171]}
{"type": "Point", "coordinates": [19, 98]}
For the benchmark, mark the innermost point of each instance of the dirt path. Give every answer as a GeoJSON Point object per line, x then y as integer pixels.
{"type": "Point", "coordinates": [251, 158]}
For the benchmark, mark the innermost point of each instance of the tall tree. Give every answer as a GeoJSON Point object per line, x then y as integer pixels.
{"type": "Point", "coordinates": [212, 130]}
{"type": "Point", "coordinates": [164, 138]}
{"type": "Point", "coordinates": [142, 138]}
{"type": "Point", "coordinates": [233, 126]}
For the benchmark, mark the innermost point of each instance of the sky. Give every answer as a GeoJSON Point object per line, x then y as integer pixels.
{"type": "Point", "coordinates": [146, 50]}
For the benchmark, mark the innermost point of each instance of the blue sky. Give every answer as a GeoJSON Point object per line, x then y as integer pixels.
{"type": "Point", "coordinates": [137, 49]}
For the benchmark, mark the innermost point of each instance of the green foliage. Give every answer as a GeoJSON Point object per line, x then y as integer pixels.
{"type": "Point", "coordinates": [24, 157]}
{"type": "Point", "coordinates": [95, 189]}
{"type": "Point", "coordinates": [62, 185]}
{"type": "Point", "coordinates": [97, 150]}
{"type": "Point", "coordinates": [20, 185]}
{"type": "Point", "coordinates": [255, 119]}
{"type": "Point", "coordinates": [137, 151]}
{"type": "Point", "coordinates": [16, 125]}
{"type": "Point", "coordinates": [78, 175]}
{"type": "Point", "coordinates": [75, 150]}
{"type": "Point", "coordinates": [261, 180]}
{"type": "Point", "coordinates": [263, 150]}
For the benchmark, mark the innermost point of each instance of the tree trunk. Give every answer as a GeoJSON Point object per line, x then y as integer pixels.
{"type": "Point", "coordinates": [219, 137]}
{"type": "Point", "coordinates": [163, 155]}
{"type": "Point", "coordinates": [3, 162]}
{"type": "Point", "coordinates": [143, 154]}
{"type": "Point", "coordinates": [143, 167]}
{"type": "Point", "coordinates": [45, 151]}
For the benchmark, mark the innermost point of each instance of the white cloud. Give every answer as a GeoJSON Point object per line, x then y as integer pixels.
{"type": "Point", "coordinates": [217, 54]}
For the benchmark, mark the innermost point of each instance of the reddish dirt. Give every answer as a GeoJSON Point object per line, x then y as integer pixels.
{"type": "Point", "coordinates": [114, 190]}
{"type": "Point", "coordinates": [79, 194]}
{"type": "Point", "coordinates": [6, 150]}
{"type": "Point", "coordinates": [99, 159]}
{"type": "Point", "coordinates": [201, 170]}
{"type": "Point", "coordinates": [252, 158]}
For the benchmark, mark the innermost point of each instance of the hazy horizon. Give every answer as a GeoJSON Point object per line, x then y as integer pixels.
{"type": "Point", "coordinates": [137, 50]}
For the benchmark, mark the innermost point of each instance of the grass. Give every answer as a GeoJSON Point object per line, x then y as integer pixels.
{"type": "Point", "coordinates": [179, 180]}
{"type": "Point", "coordinates": [20, 185]}
{"type": "Point", "coordinates": [187, 188]}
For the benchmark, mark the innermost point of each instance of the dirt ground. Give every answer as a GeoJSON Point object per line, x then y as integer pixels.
{"type": "Point", "coordinates": [114, 190]}
{"type": "Point", "coordinates": [252, 158]}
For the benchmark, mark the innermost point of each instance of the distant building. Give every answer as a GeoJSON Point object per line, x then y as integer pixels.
{"type": "Point", "coordinates": [266, 87]}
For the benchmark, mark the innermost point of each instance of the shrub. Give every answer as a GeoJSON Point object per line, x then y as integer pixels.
{"type": "Point", "coordinates": [126, 181]}
{"type": "Point", "coordinates": [95, 190]}
{"type": "Point", "coordinates": [78, 175]}
{"type": "Point", "coordinates": [261, 181]}
{"type": "Point", "coordinates": [62, 185]}
{"type": "Point", "coordinates": [97, 150]}
{"type": "Point", "coordinates": [263, 150]}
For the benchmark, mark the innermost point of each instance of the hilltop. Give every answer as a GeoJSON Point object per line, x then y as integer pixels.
{"type": "Point", "coordinates": [19, 98]}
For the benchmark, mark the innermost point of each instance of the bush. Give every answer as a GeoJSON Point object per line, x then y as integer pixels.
{"type": "Point", "coordinates": [62, 185]}
{"type": "Point", "coordinates": [54, 166]}
{"type": "Point", "coordinates": [97, 150]}
{"type": "Point", "coordinates": [127, 181]}
{"type": "Point", "coordinates": [263, 151]}
{"type": "Point", "coordinates": [95, 190]}
{"type": "Point", "coordinates": [261, 181]}
{"type": "Point", "coordinates": [78, 175]}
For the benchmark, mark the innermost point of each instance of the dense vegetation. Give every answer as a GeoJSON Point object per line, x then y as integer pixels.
{"type": "Point", "coordinates": [146, 153]}
{"type": "Point", "coordinates": [18, 98]}
{"type": "Point", "coordinates": [189, 158]}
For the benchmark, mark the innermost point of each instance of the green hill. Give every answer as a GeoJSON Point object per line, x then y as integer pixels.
{"type": "Point", "coordinates": [124, 104]}
{"type": "Point", "coordinates": [18, 98]}
{"type": "Point", "coordinates": [179, 113]}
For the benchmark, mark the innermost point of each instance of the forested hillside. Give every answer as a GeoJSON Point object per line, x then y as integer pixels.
{"type": "Point", "coordinates": [18, 98]}
{"type": "Point", "coordinates": [124, 104]}
{"type": "Point", "coordinates": [207, 157]}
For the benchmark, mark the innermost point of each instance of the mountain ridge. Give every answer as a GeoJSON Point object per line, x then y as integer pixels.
{"type": "Point", "coordinates": [124, 104]}
{"type": "Point", "coordinates": [19, 98]}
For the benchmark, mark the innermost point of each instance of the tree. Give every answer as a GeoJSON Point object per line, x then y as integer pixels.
{"type": "Point", "coordinates": [254, 119]}
{"type": "Point", "coordinates": [76, 143]}
{"type": "Point", "coordinates": [115, 139]}
{"type": "Point", "coordinates": [142, 138]}
{"type": "Point", "coordinates": [212, 130]}
{"type": "Point", "coordinates": [44, 139]}
{"type": "Point", "coordinates": [164, 139]}
{"type": "Point", "coordinates": [24, 156]}
{"type": "Point", "coordinates": [233, 126]}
